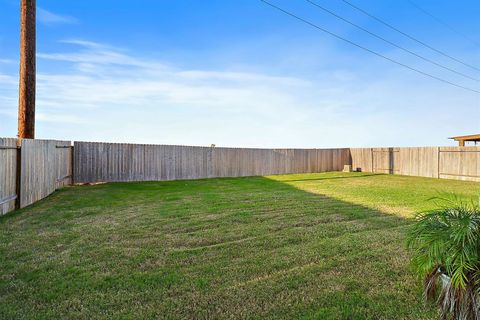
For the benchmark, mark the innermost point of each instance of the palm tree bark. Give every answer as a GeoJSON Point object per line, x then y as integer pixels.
{"type": "Point", "coordinates": [26, 103]}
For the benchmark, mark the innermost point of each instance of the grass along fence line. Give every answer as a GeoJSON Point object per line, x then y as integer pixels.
{"type": "Point", "coordinates": [311, 246]}
{"type": "Point", "coordinates": [40, 167]}
{"type": "Point", "coordinates": [461, 163]}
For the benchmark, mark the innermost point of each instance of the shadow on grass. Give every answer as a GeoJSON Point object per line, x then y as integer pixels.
{"type": "Point", "coordinates": [213, 248]}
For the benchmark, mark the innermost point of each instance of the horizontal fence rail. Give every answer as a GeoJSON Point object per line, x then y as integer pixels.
{"type": "Point", "coordinates": [33, 169]}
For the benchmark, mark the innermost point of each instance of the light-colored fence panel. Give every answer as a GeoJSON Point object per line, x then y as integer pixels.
{"type": "Point", "coordinates": [386, 160]}
{"type": "Point", "coordinates": [361, 159]}
{"type": "Point", "coordinates": [103, 162]}
{"type": "Point", "coordinates": [63, 164]}
{"type": "Point", "coordinates": [435, 162]}
{"type": "Point", "coordinates": [419, 162]}
{"type": "Point", "coordinates": [45, 166]}
{"type": "Point", "coordinates": [341, 157]}
{"type": "Point", "coordinates": [8, 174]}
{"type": "Point", "coordinates": [99, 162]}
{"type": "Point", "coordinates": [462, 163]}
{"type": "Point", "coordinates": [236, 162]}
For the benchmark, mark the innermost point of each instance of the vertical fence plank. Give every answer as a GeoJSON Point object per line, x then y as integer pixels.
{"type": "Point", "coordinates": [461, 163]}
{"type": "Point", "coordinates": [362, 159]}
{"type": "Point", "coordinates": [8, 174]}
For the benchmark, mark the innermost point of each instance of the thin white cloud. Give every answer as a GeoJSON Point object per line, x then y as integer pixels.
{"type": "Point", "coordinates": [49, 18]}
{"type": "Point", "coordinates": [105, 93]}
{"type": "Point", "coordinates": [49, 118]}
{"type": "Point", "coordinates": [106, 80]}
{"type": "Point", "coordinates": [89, 44]}
{"type": "Point", "coordinates": [7, 61]}
{"type": "Point", "coordinates": [106, 76]}
{"type": "Point", "coordinates": [239, 76]}
{"type": "Point", "coordinates": [93, 53]}
{"type": "Point", "coordinates": [7, 79]}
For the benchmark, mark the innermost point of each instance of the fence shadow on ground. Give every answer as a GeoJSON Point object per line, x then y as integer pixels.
{"type": "Point", "coordinates": [212, 248]}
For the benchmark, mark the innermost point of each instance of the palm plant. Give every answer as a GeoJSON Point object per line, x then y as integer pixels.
{"type": "Point", "coordinates": [446, 251]}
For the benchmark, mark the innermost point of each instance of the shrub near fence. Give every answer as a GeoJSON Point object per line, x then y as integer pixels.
{"type": "Point", "coordinates": [39, 167]}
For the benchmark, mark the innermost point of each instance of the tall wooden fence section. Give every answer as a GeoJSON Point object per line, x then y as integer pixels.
{"type": "Point", "coordinates": [32, 171]}
{"type": "Point", "coordinates": [461, 163]}
{"type": "Point", "coordinates": [106, 162]}
{"type": "Point", "coordinates": [46, 165]}
{"type": "Point", "coordinates": [8, 174]}
{"type": "Point", "coordinates": [36, 168]}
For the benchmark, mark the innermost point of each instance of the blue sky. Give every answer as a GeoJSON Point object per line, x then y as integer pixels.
{"type": "Point", "coordinates": [238, 73]}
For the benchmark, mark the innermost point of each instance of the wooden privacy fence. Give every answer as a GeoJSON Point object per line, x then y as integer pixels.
{"type": "Point", "coordinates": [105, 162]}
{"type": "Point", "coordinates": [462, 163]}
{"type": "Point", "coordinates": [46, 165]}
{"type": "Point", "coordinates": [36, 168]}
{"type": "Point", "coordinates": [31, 171]}
{"type": "Point", "coordinates": [8, 174]}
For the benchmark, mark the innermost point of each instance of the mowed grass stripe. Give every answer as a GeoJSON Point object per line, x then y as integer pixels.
{"type": "Point", "coordinates": [323, 246]}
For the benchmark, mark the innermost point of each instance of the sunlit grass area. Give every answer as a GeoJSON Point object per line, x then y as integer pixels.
{"type": "Point", "coordinates": [312, 246]}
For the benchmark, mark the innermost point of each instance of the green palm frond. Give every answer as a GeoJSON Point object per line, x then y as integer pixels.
{"type": "Point", "coordinates": [446, 250]}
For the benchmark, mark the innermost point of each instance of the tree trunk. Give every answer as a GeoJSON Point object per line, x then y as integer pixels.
{"type": "Point", "coordinates": [26, 101]}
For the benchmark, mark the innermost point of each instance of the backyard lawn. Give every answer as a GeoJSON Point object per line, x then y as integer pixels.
{"type": "Point", "coordinates": [310, 246]}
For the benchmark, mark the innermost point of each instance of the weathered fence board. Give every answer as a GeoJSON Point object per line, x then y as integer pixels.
{"type": "Point", "coordinates": [386, 160]}
{"type": "Point", "coordinates": [462, 163]}
{"type": "Point", "coordinates": [8, 174]}
{"type": "Point", "coordinates": [420, 162]}
{"type": "Point", "coordinates": [42, 166]}
{"type": "Point", "coordinates": [362, 159]}
{"type": "Point", "coordinates": [45, 166]}
{"type": "Point", "coordinates": [103, 162]}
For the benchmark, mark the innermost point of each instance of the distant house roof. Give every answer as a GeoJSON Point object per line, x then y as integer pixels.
{"type": "Point", "coordinates": [469, 138]}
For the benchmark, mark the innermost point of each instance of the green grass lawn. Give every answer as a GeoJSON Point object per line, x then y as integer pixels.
{"type": "Point", "coordinates": [310, 246]}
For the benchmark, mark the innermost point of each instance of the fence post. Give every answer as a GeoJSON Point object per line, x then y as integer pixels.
{"type": "Point", "coordinates": [18, 175]}
{"type": "Point", "coordinates": [373, 168]}
{"type": "Point", "coordinates": [438, 162]}
{"type": "Point", "coordinates": [72, 164]}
